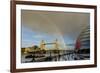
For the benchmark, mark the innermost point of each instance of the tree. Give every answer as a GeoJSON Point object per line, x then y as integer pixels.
{"type": "Point", "coordinates": [35, 47]}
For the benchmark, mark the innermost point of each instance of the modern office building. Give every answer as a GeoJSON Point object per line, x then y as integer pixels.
{"type": "Point", "coordinates": [84, 42]}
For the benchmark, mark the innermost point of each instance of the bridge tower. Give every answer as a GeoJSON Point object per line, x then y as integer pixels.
{"type": "Point", "coordinates": [56, 44]}
{"type": "Point", "coordinates": [42, 45]}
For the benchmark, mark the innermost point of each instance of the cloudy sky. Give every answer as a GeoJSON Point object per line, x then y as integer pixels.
{"type": "Point", "coordinates": [49, 26]}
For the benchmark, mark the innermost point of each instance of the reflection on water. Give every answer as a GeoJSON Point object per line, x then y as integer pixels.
{"type": "Point", "coordinates": [51, 55]}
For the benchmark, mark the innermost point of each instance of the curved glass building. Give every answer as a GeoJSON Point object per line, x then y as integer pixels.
{"type": "Point", "coordinates": [84, 43]}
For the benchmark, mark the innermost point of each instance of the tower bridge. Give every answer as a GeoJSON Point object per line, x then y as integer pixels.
{"type": "Point", "coordinates": [43, 45]}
